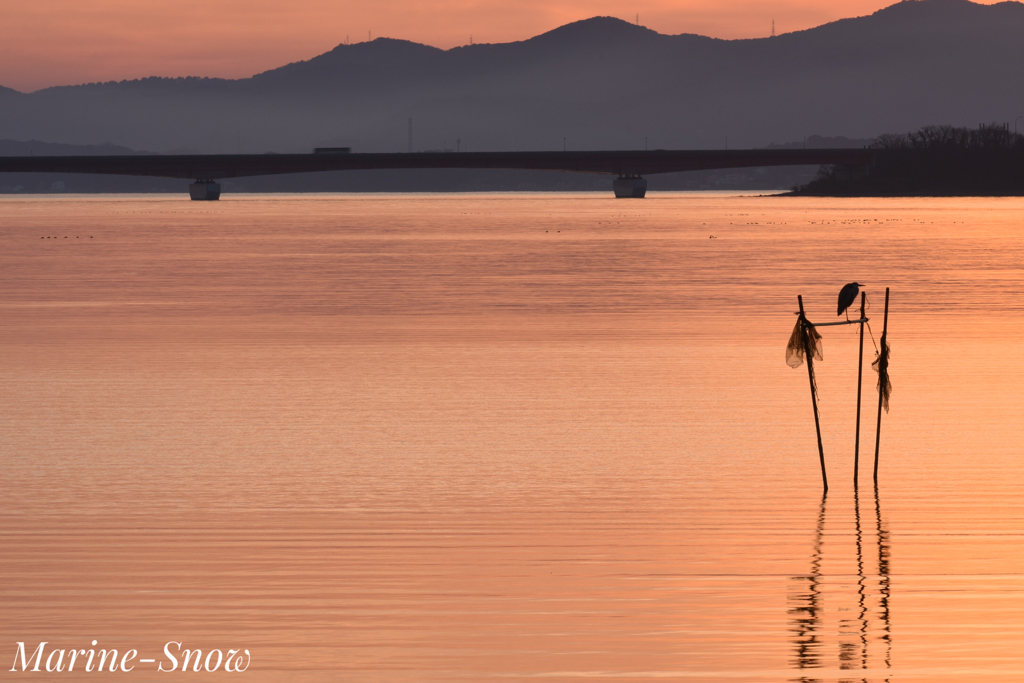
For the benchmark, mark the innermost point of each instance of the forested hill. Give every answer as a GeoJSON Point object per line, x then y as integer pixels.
{"type": "Point", "coordinates": [933, 161]}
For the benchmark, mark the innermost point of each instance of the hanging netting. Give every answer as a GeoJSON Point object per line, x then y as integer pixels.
{"type": "Point", "coordinates": [804, 337]}
{"type": "Point", "coordinates": [881, 366]}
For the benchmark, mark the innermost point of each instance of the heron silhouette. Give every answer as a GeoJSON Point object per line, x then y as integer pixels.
{"type": "Point", "coordinates": [847, 295]}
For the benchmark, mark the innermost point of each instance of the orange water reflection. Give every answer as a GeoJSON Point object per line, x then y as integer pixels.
{"type": "Point", "coordinates": [839, 624]}
{"type": "Point", "coordinates": [433, 438]}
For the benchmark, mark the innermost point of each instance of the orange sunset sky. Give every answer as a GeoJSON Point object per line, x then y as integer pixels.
{"type": "Point", "coordinates": [62, 42]}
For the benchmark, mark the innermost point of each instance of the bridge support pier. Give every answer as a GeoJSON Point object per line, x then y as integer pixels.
{"type": "Point", "coordinates": [630, 187]}
{"type": "Point", "coordinates": [204, 190]}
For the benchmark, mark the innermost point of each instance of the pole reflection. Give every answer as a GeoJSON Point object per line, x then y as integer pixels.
{"type": "Point", "coordinates": [805, 623]}
{"type": "Point", "coordinates": [823, 633]}
{"type": "Point", "coordinates": [883, 579]}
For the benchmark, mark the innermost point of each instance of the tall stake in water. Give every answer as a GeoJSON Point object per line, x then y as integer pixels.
{"type": "Point", "coordinates": [883, 375]}
{"type": "Point", "coordinates": [814, 397]}
{"type": "Point", "coordinates": [860, 379]}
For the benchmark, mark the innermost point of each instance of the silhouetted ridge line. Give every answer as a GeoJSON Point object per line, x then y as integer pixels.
{"type": "Point", "coordinates": [595, 28]}
{"type": "Point", "coordinates": [380, 50]}
{"type": "Point", "coordinates": [14, 148]}
{"type": "Point", "coordinates": [596, 84]}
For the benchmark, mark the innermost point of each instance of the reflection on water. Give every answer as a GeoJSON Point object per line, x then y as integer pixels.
{"type": "Point", "coordinates": [806, 612]}
{"type": "Point", "coordinates": [884, 589]}
{"type": "Point", "coordinates": [426, 439]}
{"type": "Point", "coordinates": [824, 632]}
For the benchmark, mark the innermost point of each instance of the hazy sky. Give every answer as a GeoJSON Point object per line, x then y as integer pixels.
{"type": "Point", "coordinates": [60, 42]}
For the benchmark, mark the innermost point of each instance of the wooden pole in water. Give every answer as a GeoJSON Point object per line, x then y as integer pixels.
{"type": "Point", "coordinates": [860, 380]}
{"type": "Point", "coordinates": [881, 387]}
{"type": "Point", "coordinates": [814, 396]}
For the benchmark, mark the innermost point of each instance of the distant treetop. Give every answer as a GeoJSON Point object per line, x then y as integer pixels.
{"type": "Point", "coordinates": [987, 136]}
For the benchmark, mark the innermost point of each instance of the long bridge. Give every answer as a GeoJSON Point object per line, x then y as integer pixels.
{"type": "Point", "coordinates": [630, 167]}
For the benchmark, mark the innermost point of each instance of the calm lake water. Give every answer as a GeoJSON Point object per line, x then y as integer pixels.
{"type": "Point", "coordinates": [408, 438]}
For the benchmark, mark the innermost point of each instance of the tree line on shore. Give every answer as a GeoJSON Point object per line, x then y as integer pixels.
{"type": "Point", "coordinates": [932, 161]}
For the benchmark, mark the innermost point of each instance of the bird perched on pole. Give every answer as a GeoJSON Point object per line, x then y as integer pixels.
{"type": "Point", "coordinates": [847, 295]}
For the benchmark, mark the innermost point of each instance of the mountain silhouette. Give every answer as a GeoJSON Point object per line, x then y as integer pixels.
{"type": "Point", "coordinates": [27, 148]}
{"type": "Point", "coordinates": [600, 83]}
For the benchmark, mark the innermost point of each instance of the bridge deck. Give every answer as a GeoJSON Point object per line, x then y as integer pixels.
{"type": "Point", "coordinates": [217, 166]}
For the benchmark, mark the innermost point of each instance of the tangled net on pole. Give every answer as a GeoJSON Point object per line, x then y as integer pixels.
{"type": "Point", "coordinates": [881, 366]}
{"type": "Point", "coordinates": [804, 337]}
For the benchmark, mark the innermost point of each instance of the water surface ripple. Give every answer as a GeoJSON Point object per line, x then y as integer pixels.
{"type": "Point", "coordinates": [407, 438]}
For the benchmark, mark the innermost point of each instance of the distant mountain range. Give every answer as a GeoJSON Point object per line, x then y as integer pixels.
{"type": "Point", "coordinates": [29, 148]}
{"type": "Point", "coordinates": [596, 84]}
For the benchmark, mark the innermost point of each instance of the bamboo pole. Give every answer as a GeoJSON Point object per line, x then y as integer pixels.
{"type": "Point", "coordinates": [860, 381]}
{"type": "Point", "coordinates": [881, 388]}
{"type": "Point", "coordinates": [814, 397]}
